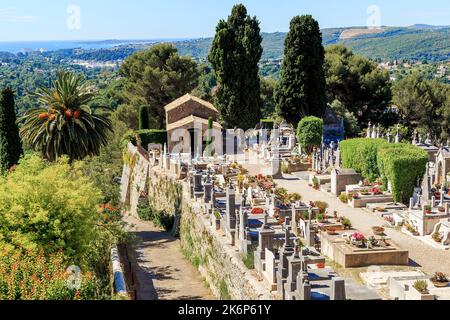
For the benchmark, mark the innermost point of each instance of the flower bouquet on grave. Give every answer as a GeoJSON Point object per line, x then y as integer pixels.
{"type": "Point", "coordinates": [375, 191]}
{"type": "Point", "coordinates": [440, 280]}
{"type": "Point", "coordinates": [357, 239]}
{"type": "Point", "coordinates": [428, 209]}
{"type": "Point", "coordinates": [257, 210]}
{"type": "Point", "coordinates": [355, 196]}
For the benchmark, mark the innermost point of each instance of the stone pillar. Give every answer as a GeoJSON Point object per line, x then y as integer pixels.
{"type": "Point", "coordinates": [265, 240]}
{"type": "Point", "coordinates": [294, 267]}
{"type": "Point", "coordinates": [208, 186]}
{"type": "Point", "coordinates": [231, 209]}
{"type": "Point", "coordinates": [338, 289]}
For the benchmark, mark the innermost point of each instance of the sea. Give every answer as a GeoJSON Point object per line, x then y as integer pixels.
{"type": "Point", "coordinates": [29, 46]}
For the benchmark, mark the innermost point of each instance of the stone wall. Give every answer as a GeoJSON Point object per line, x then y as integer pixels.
{"type": "Point", "coordinates": [219, 263]}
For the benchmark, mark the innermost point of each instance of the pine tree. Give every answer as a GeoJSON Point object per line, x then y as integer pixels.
{"type": "Point", "coordinates": [301, 90]}
{"type": "Point", "coordinates": [235, 54]}
{"type": "Point", "coordinates": [144, 117]}
{"type": "Point", "coordinates": [10, 143]}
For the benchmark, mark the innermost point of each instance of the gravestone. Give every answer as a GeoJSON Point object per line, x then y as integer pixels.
{"type": "Point", "coordinates": [338, 289]}
{"type": "Point", "coordinates": [340, 178]}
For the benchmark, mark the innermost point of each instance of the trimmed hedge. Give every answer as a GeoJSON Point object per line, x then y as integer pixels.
{"type": "Point", "coordinates": [310, 133]}
{"type": "Point", "coordinates": [361, 155]}
{"type": "Point", "coordinates": [267, 124]}
{"type": "Point", "coordinates": [403, 165]}
{"type": "Point", "coordinates": [147, 137]}
{"type": "Point", "coordinates": [144, 118]}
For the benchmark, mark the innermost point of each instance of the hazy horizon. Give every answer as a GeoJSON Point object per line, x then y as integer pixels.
{"type": "Point", "coordinates": [83, 20]}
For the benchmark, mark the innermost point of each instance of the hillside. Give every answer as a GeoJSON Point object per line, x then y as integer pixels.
{"type": "Point", "coordinates": [417, 42]}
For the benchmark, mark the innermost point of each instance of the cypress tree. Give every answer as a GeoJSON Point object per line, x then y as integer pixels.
{"type": "Point", "coordinates": [235, 54]}
{"type": "Point", "coordinates": [301, 90]}
{"type": "Point", "coordinates": [10, 143]}
{"type": "Point", "coordinates": [144, 118]}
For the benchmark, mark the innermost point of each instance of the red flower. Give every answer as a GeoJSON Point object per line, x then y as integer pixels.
{"type": "Point", "coordinates": [77, 114]}
{"type": "Point", "coordinates": [68, 114]}
{"type": "Point", "coordinates": [257, 211]}
{"type": "Point", "coordinates": [43, 116]}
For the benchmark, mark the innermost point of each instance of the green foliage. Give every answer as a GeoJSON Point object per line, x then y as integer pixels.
{"type": "Point", "coordinates": [301, 90]}
{"type": "Point", "coordinates": [424, 105]}
{"type": "Point", "coordinates": [351, 125]}
{"type": "Point", "coordinates": [144, 120]}
{"type": "Point", "coordinates": [358, 84]}
{"type": "Point", "coordinates": [160, 219]}
{"type": "Point", "coordinates": [65, 124]}
{"type": "Point", "coordinates": [223, 291]}
{"type": "Point", "coordinates": [361, 155]}
{"type": "Point", "coordinates": [421, 286]}
{"type": "Point", "coordinates": [156, 77]}
{"type": "Point", "coordinates": [30, 275]}
{"type": "Point", "coordinates": [343, 197]}
{"type": "Point", "coordinates": [249, 259]}
{"type": "Point", "coordinates": [209, 150]}
{"type": "Point", "coordinates": [268, 85]}
{"type": "Point", "coordinates": [10, 144]}
{"type": "Point", "coordinates": [147, 137]}
{"type": "Point", "coordinates": [267, 124]}
{"type": "Point", "coordinates": [235, 54]}
{"type": "Point", "coordinates": [55, 207]}
{"type": "Point", "coordinates": [403, 165]}
{"type": "Point", "coordinates": [310, 133]}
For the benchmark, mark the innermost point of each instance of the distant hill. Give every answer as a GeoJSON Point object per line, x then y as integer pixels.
{"type": "Point", "coordinates": [418, 42]}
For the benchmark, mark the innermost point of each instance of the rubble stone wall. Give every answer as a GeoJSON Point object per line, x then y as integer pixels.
{"type": "Point", "coordinates": [218, 263]}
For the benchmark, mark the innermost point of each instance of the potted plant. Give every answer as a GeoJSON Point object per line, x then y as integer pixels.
{"type": "Point", "coordinates": [440, 280]}
{"type": "Point", "coordinates": [427, 209]}
{"type": "Point", "coordinates": [378, 231]}
{"type": "Point", "coordinates": [420, 291]}
{"type": "Point", "coordinates": [437, 237]}
{"type": "Point", "coordinates": [358, 239]}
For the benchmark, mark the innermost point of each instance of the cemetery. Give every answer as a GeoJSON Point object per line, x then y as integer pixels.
{"type": "Point", "coordinates": [253, 239]}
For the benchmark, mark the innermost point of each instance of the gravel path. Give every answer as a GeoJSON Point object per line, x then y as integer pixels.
{"type": "Point", "coordinates": [421, 255]}
{"type": "Point", "coordinates": [162, 272]}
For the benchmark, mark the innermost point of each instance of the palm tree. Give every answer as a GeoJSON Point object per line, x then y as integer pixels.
{"type": "Point", "coordinates": [65, 125]}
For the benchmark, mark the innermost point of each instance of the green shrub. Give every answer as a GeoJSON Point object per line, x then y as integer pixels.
{"type": "Point", "coordinates": [144, 212]}
{"type": "Point", "coordinates": [362, 154]}
{"type": "Point", "coordinates": [223, 291]}
{"type": "Point", "coordinates": [403, 165]}
{"type": "Point", "coordinates": [144, 118]}
{"type": "Point", "coordinates": [310, 133]}
{"type": "Point", "coordinates": [152, 136]}
{"type": "Point", "coordinates": [322, 206]}
{"type": "Point", "coordinates": [55, 207]}
{"type": "Point", "coordinates": [343, 197]}
{"type": "Point", "coordinates": [267, 124]}
{"type": "Point", "coordinates": [163, 220]}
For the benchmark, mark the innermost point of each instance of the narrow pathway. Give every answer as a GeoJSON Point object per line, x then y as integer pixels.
{"type": "Point", "coordinates": [161, 271]}
{"type": "Point", "coordinates": [421, 255]}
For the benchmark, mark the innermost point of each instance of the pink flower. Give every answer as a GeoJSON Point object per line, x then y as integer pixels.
{"type": "Point", "coordinates": [358, 236]}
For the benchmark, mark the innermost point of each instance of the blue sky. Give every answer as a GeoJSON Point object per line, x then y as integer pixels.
{"type": "Point", "coordinates": [23, 20]}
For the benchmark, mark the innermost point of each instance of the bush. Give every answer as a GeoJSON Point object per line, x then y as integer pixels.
{"type": "Point", "coordinates": [29, 275]}
{"type": "Point", "coordinates": [144, 118]}
{"type": "Point", "coordinates": [403, 165]}
{"type": "Point", "coordinates": [322, 206]}
{"type": "Point", "coordinates": [163, 220]}
{"type": "Point", "coordinates": [55, 207]}
{"type": "Point", "coordinates": [147, 137]}
{"type": "Point", "coordinates": [310, 133]}
{"type": "Point", "coordinates": [343, 197]}
{"type": "Point", "coordinates": [362, 154]}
